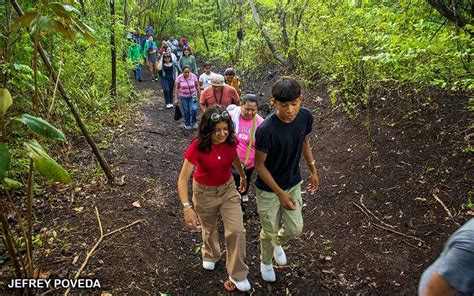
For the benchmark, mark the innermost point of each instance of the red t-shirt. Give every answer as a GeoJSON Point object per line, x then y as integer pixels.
{"type": "Point", "coordinates": [214, 168]}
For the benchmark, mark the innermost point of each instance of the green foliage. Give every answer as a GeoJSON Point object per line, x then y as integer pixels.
{"type": "Point", "coordinates": [45, 164]}
{"type": "Point", "coordinates": [5, 159]}
{"type": "Point", "coordinates": [5, 100]}
{"type": "Point", "coordinates": [357, 46]}
{"type": "Point", "coordinates": [41, 128]}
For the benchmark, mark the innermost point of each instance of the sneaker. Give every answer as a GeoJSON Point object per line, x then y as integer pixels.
{"type": "Point", "coordinates": [268, 274]}
{"type": "Point", "coordinates": [195, 125]}
{"type": "Point", "coordinates": [245, 198]}
{"type": "Point", "coordinates": [187, 126]}
{"type": "Point", "coordinates": [169, 106]}
{"type": "Point", "coordinates": [208, 265]}
{"type": "Point", "coordinates": [279, 255]}
{"type": "Point", "coordinates": [242, 285]}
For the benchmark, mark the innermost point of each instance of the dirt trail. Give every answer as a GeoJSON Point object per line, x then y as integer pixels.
{"type": "Point", "coordinates": [341, 250]}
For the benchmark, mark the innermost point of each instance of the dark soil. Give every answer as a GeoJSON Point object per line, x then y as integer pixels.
{"type": "Point", "coordinates": [385, 180]}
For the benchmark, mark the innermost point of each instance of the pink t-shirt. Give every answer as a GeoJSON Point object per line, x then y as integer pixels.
{"type": "Point", "coordinates": [243, 135]}
{"type": "Point", "coordinates": [187, 87]}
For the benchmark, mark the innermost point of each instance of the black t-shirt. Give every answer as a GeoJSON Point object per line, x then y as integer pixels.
{"type": "Point", "coordinates": [283, 144]}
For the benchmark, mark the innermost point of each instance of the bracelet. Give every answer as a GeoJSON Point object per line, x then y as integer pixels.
{"type": "Point", "coordinates": [244, 177]}
{"type": "Point", "coordinates": [187, 205]}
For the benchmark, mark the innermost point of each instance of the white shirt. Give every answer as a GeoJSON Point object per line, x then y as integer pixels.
{"type": "Point", "coordinates": [205, 79]}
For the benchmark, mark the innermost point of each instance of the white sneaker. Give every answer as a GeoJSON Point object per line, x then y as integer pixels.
{"type": "Point", "coordinates": [195, 125]}
{"type": "Point", "coordinates": [208, 265]}
{"type": "Point", "coordinates": [169, 106]}
{"type": "Point", "coordinates": [279, 255]}
{"type": "Point", "coordinates": [243, 285]}
{"type": "Point", "coordinates": [268, 274]}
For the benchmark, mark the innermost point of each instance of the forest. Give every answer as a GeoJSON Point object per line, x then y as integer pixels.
{"type": "Point", "coordinates": [90, 154]}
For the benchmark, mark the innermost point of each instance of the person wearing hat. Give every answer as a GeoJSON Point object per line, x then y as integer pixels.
{"type": "Point", "coordinates": [232, 79]}
{"type": "Point", "coordinates": [218, 93]}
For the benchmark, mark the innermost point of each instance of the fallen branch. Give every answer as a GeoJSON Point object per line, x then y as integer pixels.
{"type": "Point", "coordinates": [99, 240]}
{"type": "Point", "coordinates": [387, 227]}
{"type": "Point", "coordinates": [399, 233]}
{"type": "Point", "coordinates": [372, 214]}
{"type": "Point", "coordinates": [445, 208]}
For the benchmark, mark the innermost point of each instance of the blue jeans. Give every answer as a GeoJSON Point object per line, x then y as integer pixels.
{"type": "Point", "coordinates": [248, 173]}
{"type": "Point", "coordinates": [138, 72]}
{"type": "Point", "coordinates": [167, 83]}
{"type": "Point", "coordinates": [189, 110]}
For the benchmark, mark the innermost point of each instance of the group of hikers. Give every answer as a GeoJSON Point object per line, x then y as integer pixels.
{"type": "Point", "coordinates": [232, 141]}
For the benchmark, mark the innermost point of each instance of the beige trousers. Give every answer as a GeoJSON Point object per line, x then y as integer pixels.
{"type": "Point", "coordinates": [224, 199]}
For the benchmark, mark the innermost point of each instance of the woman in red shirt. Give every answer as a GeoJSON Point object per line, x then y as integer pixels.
{"type": "Point", "coordinates": [212, 153]}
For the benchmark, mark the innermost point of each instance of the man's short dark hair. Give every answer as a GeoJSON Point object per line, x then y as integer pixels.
{"type": "Point", "coordinates": [207, 64]}
{"type": "Point", "coordinates": [286, 89]}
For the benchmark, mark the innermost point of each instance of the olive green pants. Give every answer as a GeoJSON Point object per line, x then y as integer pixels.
{"type": "Point", "coordinates": [278, 224]}
{"type": "Point", "coordinates": [209, 201]}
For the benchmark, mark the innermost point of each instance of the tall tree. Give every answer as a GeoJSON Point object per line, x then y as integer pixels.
{"type": "Point", "coordinates": [113, 51]}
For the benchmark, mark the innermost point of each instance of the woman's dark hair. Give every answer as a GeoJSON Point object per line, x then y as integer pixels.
{"type": "Point", "coordinates": [286, 89]}
{"type": "Point", "coordinates": [186, 67]}
{"type": "Point", "coordinates": [188, 49]}
{"type": "Point", "coordinates": [250, 98]}
{"type": "Point", "coordinates": [206, 128]}
{"type": "Point", "coordinates": [166, 55]}
{"type": "Point", "coordinates": [229, 71]}
{"type": "Point", "coordinates": [207, 64]}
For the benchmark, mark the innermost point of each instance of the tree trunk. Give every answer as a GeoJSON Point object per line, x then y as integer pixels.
{"type": "Point", "coordinates": [450, 13]}
{"type": "Point", "coordinates": [270, 45]}
{"type": "Point", "coordinates": [102, 161]}
{"type": "Point", "coordinates": [113, 85]}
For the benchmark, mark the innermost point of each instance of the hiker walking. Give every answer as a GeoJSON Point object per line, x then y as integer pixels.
{"type": "Point", "coordinates": [168, 71]}
{"type": "Point", "coordinates": [280, 141]}
{"type": "Point", "coordinates": [246, 120]}
{"type": "Point", "coordinates": [135, 55]}
{"type": "Point", "coordinates": [173, 44]}
{"type": "Point", "coordinates": [150, 53]}
{"type": "Point", "coordinates": [173, 56]}
{"type": "Point", "coordinates": [188, 59]}
{"type": "Point", "coordinates": [212, 153]}
{"type": "Point", "coordinates": [232, 79]}
{"type": "Point", "coordinates": [218, 93]}
{"type": "Point", "coordinates": [187, 94]}
{"type": "Point", "coordinates": [205, 78]}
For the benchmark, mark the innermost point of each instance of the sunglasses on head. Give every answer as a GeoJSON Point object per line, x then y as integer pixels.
{"type": "Point", "coordinates": [215, 117]}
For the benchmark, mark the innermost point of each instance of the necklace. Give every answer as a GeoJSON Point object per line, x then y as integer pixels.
{"type": "Point", "coordinates": [215, 151]}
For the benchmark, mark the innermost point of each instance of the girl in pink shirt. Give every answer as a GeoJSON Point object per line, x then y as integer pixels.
{"type": "Point", "coordinates": [246, 120]}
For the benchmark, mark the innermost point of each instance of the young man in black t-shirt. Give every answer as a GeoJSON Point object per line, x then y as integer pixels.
{"type": "Point", "coordinates": [280, 141]}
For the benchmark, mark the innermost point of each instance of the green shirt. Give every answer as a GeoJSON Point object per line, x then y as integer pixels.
{"type": "Point", "coordinates": [134, 53]}
{"type": "Point", "coordinates": [190, 61]}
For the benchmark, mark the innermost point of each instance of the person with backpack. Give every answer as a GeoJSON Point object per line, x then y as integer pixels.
{"type": "Point", "coordinates": [173, 44]}
{"type": "Point", "coordinates": [211, 154]}
{"type": "Point", "coordinates": [187, 94]}
{"type": "Point", "coordinates": [134, 54]}
{"type": "Point", "coordinates": [246, 121]}
{"type": "Point", "coordinates": [150, 54]}
{"type": "Point", "coordinates": [168, 71]}
{"type": "Point", "coordinates": [188, 59]}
